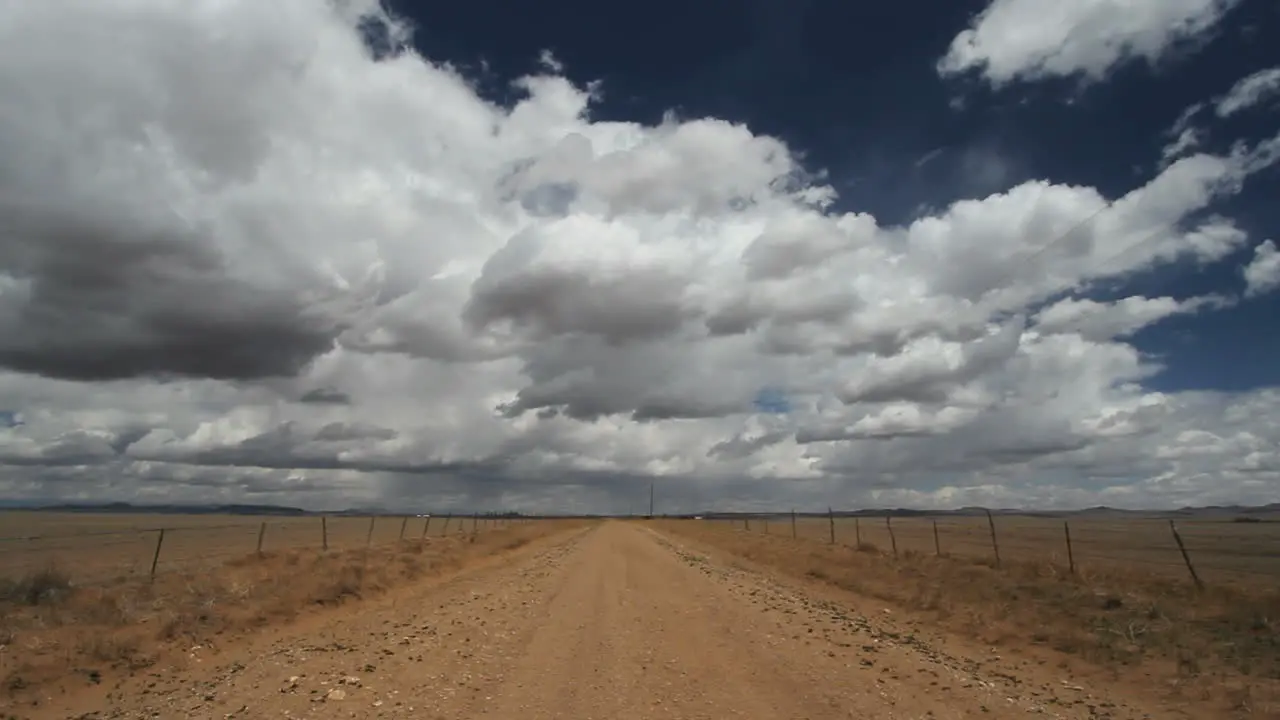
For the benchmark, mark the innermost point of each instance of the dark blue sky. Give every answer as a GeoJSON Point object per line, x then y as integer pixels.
{"type": "Point", "coordinates": [853, 87]}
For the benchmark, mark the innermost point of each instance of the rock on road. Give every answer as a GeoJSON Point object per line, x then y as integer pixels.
{"type": "Point", "coordinates": [612, 621]}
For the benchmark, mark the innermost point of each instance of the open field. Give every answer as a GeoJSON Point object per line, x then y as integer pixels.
{"type": "Point", "coordinates": [93, 547]}
{"type": "Point", "coordinates": [661, 619]}
{"type": "Point", "coordinates": [1222, 551]}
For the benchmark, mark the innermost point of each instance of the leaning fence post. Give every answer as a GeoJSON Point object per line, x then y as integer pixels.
{"type": "Point", "coordinates": [262, 530]}
{"type": "Point", "coordinates": [831, 524]}
{"type": "Point", "coordinates": [1071, 556]}
{"type": "Point", "coordinates": [447, 518]}
{"type": "Point", "coordinates": [324, 533]}
{"type": "Point", "coordinates": [369, 538]}
{"type": "Point", "coordinates": [404, 523]}
{"type": "Point", "coordinates": [937, 544]}
{"type": "Point", "coordinates": [995, 544]}
{"type": "Point", "coordinates": [746, 524]}
{"type": "Point", "coordinates": [155, 559]}
{"type": "Point", "coordinates": [425, 527]}
{"type": "Point", "coordinates": [892, 539]}
{"type": "Point", "coordinates": [1185, 557]}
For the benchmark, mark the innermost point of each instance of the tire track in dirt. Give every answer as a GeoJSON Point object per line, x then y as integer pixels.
{"type": "Point", "coordinates": [646, 628]}
{"type": "Point", "coordinates": [636, 635]}
{"type": "Point", "coordinates": [913, 675]}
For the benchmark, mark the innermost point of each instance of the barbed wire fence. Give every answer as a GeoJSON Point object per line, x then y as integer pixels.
{"type": "Point", "coordinates": [94, 556]}
{"type": "Point", "coordinates": [1199, 551]}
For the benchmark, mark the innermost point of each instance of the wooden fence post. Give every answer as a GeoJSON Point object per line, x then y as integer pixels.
{"type": "Point", "coordinates": [403, 524]}
{"type": "Point", "coordinates": [447, 518]}
{"type": "Point", "coordinates": [766, 526]}
{"type": "Point", "coordinates": [324, 533]}
{"type": "Point", "coordinates": [155, 559]}
{"type": "Point", "coordinates": [793, 524]}
{"type": "Point", "coordinates": [937, 544]}
{"type": "Point", "coordinates": [746, 524]}
{"type": "Point", "coordinates": [893, 540]}
{"type": "Point", "coordinates": [369, 538]}
{"type": "Point", "coordinates": [425, 527]}
{"type": "Point", "coordinates": [262, 530]}
{"type": "Point", "coordinates": [831, 522]}
{"type": "Point", "coordinates": [857, 532]}
{"type": "Point", "coordinates": [995, 544]}
{"type": "Point", "coordinates": [1177, 537]}
{"type": "Point", "coordinates": [1071, 555]}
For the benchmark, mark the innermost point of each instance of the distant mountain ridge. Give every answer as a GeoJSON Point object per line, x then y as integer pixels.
{"type": "Point", "coordinates": [125, 508]}
{"type": "Point", "coordinates": [968, 511]}
{"type": "Point", "coordinates": [167, 509]}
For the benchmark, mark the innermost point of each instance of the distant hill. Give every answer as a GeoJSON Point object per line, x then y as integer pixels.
{"type": "Point", "coordinates": [1100, 511]}
{"type": "Point", "coordinates": [124, 508]}
{"type": "Point", "coordinates": [1268, 512]}
{"type": "Point", "coordinates": [174, 509]}
{"type": "Point", "coordinates": [1231, 509]}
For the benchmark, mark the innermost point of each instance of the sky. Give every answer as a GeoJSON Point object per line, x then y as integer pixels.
{"type": "Point", "coordinates": [760, 254]}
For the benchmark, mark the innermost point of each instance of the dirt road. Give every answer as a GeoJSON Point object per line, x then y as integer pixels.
{"type": "Point", "coordinates": [614, 621]}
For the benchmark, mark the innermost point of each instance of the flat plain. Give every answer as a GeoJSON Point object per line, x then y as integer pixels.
{"type": "Point", "coordinates": [607, 619]}
{"type": "Point", "coordinates": [1222, 549]}
{"type": "Point", "coordinates": [102, 547]}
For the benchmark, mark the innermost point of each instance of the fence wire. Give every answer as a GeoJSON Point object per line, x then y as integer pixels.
{"type": "Point", "coordinates": [1220, 551]}
{"type": "Point", "coordinates": [99, 549]}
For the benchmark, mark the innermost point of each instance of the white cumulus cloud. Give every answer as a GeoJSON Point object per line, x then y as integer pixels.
{"type": "Point", "coordinates": [1020, 40]}
{"type": "Point", "coordinates": [1106, 321]}
{"type": "Point", "coordinates": [1255, 89]}
{"type": "Point", "coordinates": [1249, 91]}
{"type": "Point", "coordinates": [1262, 274]}
{"type": "Point", "coordinates": [244, 256]}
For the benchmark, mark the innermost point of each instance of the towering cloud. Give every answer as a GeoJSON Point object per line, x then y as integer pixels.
{"type": "Point", "coordinates": [236, 234]}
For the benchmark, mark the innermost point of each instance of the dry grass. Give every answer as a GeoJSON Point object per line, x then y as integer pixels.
{"type": "Point", "coordinates": [103, 547]}
{"type": "Point", "coordinates": [51, 629]}
{"type": "Point", "coordinates": [1224, 552]}
{"type": "Point", "coordinates": [46, 586]}
{"type": "Point", "coordinates": [1222, 642]}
